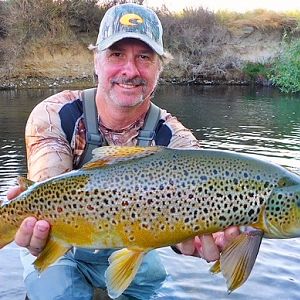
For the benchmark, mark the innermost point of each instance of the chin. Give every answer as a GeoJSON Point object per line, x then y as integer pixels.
{"type": "Point", "coordinates": [128, 102]}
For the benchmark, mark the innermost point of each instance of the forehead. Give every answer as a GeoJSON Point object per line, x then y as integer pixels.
{"type": "Point", "coordinates": [131, 43]}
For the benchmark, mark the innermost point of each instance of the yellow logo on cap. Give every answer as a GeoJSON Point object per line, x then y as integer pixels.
{"type": "Point", "coordinates": [131, 20]}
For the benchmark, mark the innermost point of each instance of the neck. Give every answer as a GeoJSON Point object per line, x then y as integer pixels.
{"type": "Point", "coordinates": [116, 117]}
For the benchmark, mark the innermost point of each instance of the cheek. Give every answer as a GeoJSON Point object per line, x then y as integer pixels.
{"type": "Point", "coordinates": [153, 79]}
{"type": "Point", "coordinates": [105, 73]}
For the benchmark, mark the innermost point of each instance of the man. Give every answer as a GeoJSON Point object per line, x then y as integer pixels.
{"type": "Point", "coordinates": [128, 59]}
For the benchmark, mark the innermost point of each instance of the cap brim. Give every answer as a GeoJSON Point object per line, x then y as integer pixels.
{"type": "Point", "coordinates": [123, 35]}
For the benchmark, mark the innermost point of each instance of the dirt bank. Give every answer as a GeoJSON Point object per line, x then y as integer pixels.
{"type": "Point", "coordinates": [53, 65]}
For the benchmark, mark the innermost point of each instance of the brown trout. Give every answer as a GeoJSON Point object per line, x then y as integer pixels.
{"type": "Point", "coordinates": [137, 199]}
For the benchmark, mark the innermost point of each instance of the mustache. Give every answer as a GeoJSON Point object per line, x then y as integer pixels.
{"type": "Point", "coordinates": [132, 81]}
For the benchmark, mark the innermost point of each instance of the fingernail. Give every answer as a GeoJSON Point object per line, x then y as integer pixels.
{"type": "Point", "coordinates": [42, 228]}
{"type": "Point", "coordinates": [30, 223]}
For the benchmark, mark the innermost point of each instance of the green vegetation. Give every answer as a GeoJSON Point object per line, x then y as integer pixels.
{"type": "Point", "coordinates": [256, 70]}
{"type": "Point", "coordinates": [286, 68]}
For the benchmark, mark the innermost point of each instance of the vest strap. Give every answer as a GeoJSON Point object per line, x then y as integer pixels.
{"type": "Point", "coordinates": [147, 133]}
{"type": "Point", "coordinates": [94, 138]}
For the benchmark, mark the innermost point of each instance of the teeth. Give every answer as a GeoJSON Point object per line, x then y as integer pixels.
{"type": "Point", "coordinates": [127, 86]}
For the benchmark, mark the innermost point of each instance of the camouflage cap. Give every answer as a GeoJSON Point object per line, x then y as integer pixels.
{"type": "Point", "coordinates": [130, 21]}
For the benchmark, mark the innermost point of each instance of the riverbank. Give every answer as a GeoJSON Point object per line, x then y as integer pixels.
{"type": "Point", "coordinates": [45, 66]}
{"type": "Point", "coordinates": [208, 48]}
{"type": "Point", "coordinates": [45, 82]}
{"type": "Point", "coordinates": [89, 81]}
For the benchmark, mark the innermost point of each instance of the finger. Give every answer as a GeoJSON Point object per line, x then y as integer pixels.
{"type": "Point", "coordinates": [24, 233]}
{"type": "Point", "coordinates": [209, 250]}
{"type": "Point", "coordinates": [223, 238]}
{"type": "Point", "coordinates": [13, 192]}
{"type": "Point", "coordinates": [220, 240]}
{"type": "Point", "coordinates": [39, 237]}
{"type": "Point", "coordinates": [231, 232]}
{"type": "Point", "coordinates": [187, 247]}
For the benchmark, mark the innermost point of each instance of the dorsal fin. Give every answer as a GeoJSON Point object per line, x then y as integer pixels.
{"type": "Point", "coordinates": [24, 183]}
{"type": "Point", "coordinates": [108, 155]}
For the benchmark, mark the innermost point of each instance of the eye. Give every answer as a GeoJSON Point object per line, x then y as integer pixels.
{"type": "Point", "coordinates": [116, 57]}
{"type": "Point", "coordinates": [281, 182]}
{"type": "Point", "coordinates": [115, 54]}
{"type": "Point", "coordinates": [286, 181]}
{"type": "Point", "coordinates": [144, 56]}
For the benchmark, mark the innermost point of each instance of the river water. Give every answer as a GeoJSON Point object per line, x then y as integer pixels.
{"type": "Point", "coordinates": [260, 122]}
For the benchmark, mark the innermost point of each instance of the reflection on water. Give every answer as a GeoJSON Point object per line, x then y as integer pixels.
{"type": "Point", "coordinates": [260, 122]}
{"type": "Point", "coordinates": [15, 107]}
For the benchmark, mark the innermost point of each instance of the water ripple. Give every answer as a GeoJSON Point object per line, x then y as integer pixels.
{"type": "Point", "coordinates": [260, 123]}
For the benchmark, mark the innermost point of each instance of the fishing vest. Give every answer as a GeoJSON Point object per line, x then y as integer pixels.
{"type": "Point", "coordinates": [94, 139]}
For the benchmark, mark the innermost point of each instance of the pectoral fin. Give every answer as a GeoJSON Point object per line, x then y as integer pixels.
{"type": "Point", "coordinates": [123, 267]}
{"type": "Point", "coordinates": [53, 250]}
{"type": "Point", "coordinates": [238, 258]}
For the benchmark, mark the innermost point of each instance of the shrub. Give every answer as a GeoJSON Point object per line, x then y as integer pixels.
{"type": "Point", "coordinates": [255, 70]}
{"type": "Point", "coordinates": [195, 38]}
{"type": "Point", "coordinates": [3, 24]}
{"type": "Point", "coordinates": [286, 68]}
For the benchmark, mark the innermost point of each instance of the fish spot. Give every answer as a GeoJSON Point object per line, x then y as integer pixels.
{"type": "Point", "coordinates": [222, 218]}
{"type": "Point", "coordinates": [131, 238]}
{"type": "Point", "coordinates": [162, 227]}
{"type": "Point", "coordinates": [145, 225]}
{"type": "Point", "coordinates": [251, 212]}
{"type": "Point", "coordinates": [196, 228]}
{"type": "Point", "coordinates": [90, 207]}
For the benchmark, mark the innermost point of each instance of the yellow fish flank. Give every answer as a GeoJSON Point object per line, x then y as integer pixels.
{"type": "Point", "coordinates": [136, 199]}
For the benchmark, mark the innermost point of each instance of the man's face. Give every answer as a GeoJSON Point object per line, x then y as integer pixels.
{"type": "Point", "coordinates": [127, 72]}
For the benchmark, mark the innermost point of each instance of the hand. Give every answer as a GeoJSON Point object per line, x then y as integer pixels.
{"type": "Point", "coordinates": [33, 233]}
{"type": "Point", "coordinates": [208, 246]}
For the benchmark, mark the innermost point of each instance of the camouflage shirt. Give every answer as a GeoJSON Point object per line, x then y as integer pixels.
{"type": "Point", "coordinates": [56, 135]}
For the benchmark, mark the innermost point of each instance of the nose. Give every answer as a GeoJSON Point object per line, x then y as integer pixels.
{"type": "Point", "coordinates": [130, 69]}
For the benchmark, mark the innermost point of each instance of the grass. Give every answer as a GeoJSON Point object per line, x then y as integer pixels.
{"type": "Point", "coordinates": [260, 19]}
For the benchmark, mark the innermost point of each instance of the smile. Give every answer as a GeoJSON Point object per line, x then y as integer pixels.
{"type": "Point", "coordinates": [127, 86]}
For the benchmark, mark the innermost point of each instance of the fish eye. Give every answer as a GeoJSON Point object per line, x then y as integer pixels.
{"type": "Point", "coordinates": [281, 182]}
{"type": "Point", "coordinates": [285, 181]}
